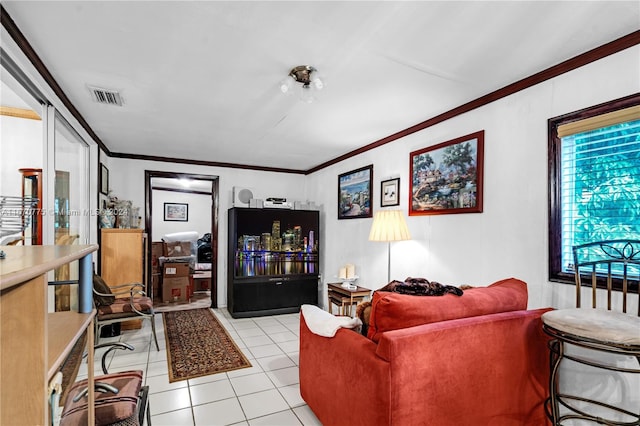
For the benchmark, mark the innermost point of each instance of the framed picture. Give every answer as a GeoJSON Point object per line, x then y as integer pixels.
{"type": "Point", "coordinates": [390, 192]}
{"type": "Point", "coordinates": [354, 193]}
{"type": "Point", "coordinates": [176, 212]}
{"type": "Point", "coordinates": [104, 179]}
{"type": "Point", "coordinates": [447, 178]}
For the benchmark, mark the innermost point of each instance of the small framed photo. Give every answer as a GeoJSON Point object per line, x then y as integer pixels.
{"type": "Point", "coordinates": [104, 179]}
{"type": "Point", "coordinates": [176, 212]}
{"type": "Point", "coordinates": [390, 192]}
{"type": "Point", "coordinates": [354, 193]}
{"type": "Point", "coordinates": [447, 178]}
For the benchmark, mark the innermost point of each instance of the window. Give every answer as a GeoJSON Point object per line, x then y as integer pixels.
{"type": "Point", "coordinates": [594, 179]}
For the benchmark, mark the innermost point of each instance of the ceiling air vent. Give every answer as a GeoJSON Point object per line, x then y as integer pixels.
{"type": "Point", "coordinates": [105, 96]}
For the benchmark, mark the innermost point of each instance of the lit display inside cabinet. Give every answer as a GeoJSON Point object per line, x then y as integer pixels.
{"type": "Point", "coordinates": [273, 261]}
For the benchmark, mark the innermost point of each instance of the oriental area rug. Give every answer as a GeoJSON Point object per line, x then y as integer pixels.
{"type": "Point", "coordinates": [198, 345]}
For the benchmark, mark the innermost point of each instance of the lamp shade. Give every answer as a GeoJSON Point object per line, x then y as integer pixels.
{"type": "Point", "coordinates": [389, 225]}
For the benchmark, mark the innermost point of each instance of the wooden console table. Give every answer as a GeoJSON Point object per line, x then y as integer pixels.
{"type": "Point", "coordinates": [345, 298]}
{"type": "Point", "coordinates": [33, 341]}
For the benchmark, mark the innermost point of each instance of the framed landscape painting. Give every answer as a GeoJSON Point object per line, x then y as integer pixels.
{"type": "Point", "coordinates": [177, 212]}
{"type": "Point", "coordinates": [355, 199]}
{"type": "Point", "coordinates": [447, 178]}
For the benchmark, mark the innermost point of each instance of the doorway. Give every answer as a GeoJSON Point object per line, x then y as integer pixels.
{"type": "Point", "coordinates": [184, 185]}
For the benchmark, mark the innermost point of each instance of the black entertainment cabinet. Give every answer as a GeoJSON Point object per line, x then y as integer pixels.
{"type": "Point", "coordinates": [272, 261]}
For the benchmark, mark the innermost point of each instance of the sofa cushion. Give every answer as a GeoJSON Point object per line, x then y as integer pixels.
{"type": "Point", "coordinates": [393, 311]}
{"type": "Point", "coordinates": [124, 306]}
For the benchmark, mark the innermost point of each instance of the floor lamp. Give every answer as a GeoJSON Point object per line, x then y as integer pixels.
{"type": "Point", "coordinates": [389, 225]}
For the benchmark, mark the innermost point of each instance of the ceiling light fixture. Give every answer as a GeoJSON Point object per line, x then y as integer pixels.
{"type": "Point", "coordinates": [307, 77]}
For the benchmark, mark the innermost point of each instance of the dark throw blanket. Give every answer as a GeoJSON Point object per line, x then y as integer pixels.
{"type": "Point", "coordinates": [421, 287]}
{"type": "Point", "coordinates": [410, 286]}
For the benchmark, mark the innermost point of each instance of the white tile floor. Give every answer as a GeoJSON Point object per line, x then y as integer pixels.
{"type": "Point", "coordinates": [268, 393]}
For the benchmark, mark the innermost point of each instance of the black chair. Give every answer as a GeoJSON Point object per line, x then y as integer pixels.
{"type": "Point", "coordinates": [606, 337]}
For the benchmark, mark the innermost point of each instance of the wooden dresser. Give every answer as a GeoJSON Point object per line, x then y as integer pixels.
{"type": "Point", "coordinates": [122, 260]}
{"type": "Point", "coordinates": [33, 341]}
{"type": "Point", "coordinates": [122, 256]}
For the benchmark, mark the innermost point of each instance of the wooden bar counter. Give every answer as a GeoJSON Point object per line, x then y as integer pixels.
{"type": "Point", "coordinates": [33, 341]}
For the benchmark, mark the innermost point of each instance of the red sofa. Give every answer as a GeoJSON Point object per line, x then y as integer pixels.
{"type": "Point", "coordinates": [487, 369]}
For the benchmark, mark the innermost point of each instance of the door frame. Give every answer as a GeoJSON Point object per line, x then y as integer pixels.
{"type": "Point", "coordinates": [215, 205]}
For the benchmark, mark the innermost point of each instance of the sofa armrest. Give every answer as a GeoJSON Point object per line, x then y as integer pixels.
{"type": "Point", "coordinates": [342, 378]}
{"type": "Point", "coordinates": [492, 369]}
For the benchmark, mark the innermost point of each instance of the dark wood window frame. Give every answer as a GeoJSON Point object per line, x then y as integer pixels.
{"type": "Point", "coordinates": [554, 154]}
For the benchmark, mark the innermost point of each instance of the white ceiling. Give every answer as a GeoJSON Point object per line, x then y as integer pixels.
{"type": "Point", "coordinates": [200, 79]}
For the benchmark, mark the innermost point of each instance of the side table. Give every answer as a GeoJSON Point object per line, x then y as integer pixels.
{"type": "Point", "coordinates": [345, 298]}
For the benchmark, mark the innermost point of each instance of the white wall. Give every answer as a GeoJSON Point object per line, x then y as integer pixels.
{"type": "Point", "coordinates": [20, 147]}
{"type": "Point", "coordinates": [199, 213]}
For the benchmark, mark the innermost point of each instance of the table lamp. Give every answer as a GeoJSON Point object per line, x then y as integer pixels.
{"type": "Point", "coordinates": [387, 226]}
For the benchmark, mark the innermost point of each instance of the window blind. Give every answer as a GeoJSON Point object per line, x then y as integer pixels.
{"type": "Point", "coordinates": [599, 121]}
{"type": "Point", "coordinates": [600, 181]}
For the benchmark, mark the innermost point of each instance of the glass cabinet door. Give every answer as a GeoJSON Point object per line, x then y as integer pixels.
{"type": "Point", "coordinates": [71, 213]}
{"type": "Point", "coordinates": [71, 192]}
{"type": "Point", "coordinates": [32, 187]}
